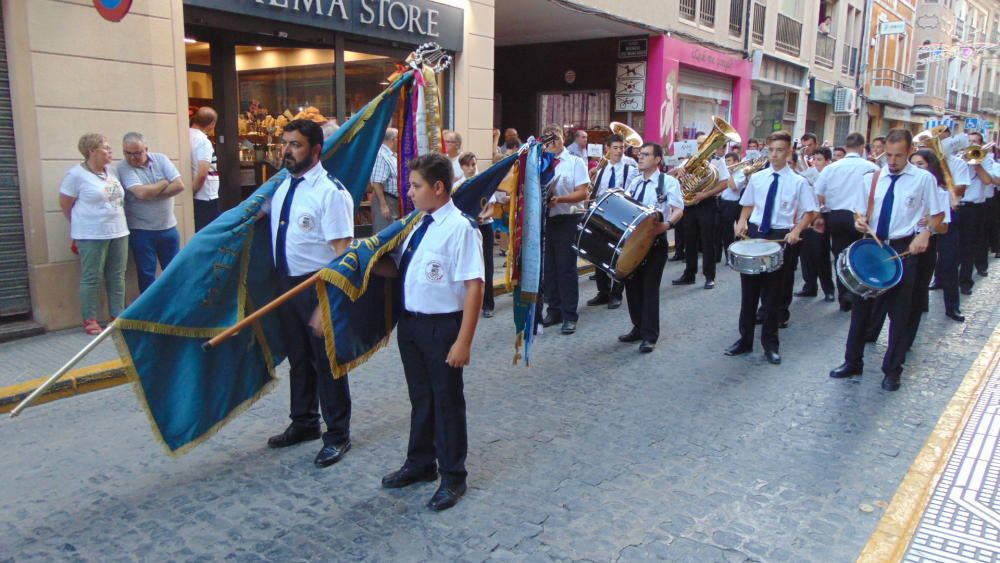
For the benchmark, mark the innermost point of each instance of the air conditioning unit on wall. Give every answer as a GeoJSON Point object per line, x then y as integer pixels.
{"type": "Point", "coordinates": [844, 100]}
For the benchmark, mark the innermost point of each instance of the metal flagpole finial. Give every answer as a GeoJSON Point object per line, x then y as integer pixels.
{"type": "Point", "coordinates": [430, 55]}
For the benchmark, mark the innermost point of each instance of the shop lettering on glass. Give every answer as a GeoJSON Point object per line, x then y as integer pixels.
{"type": "Point", "coordinates": [393, 14]}
{"type": "Point", "coordinates": [707, 57]}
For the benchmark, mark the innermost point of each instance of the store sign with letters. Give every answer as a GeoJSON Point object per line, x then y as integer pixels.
{"type": "Point", "coordinates": [630, 87]}
{"type": "Point", "coordinates": [633, 48]}
{"type": "Point", "coordinates": [409, 21]}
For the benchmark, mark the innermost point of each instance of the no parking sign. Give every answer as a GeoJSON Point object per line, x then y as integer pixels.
{"type": "Point", "coordinates": [113, 10]}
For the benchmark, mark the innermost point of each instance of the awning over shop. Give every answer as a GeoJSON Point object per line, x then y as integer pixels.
{"type": "Point", "coordinates": [523, 22]}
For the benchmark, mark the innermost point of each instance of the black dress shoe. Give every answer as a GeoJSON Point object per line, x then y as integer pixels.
{"type": "Point", "coordinates": [829, 298]}
{"type": "Point", "coordinates": [683, 280]}
{"type": "Point", "coordinates": [294, 435]}
{"type": "Point", "coordinates": [981, 273]}
{"type": "Point", "coordinates": [614, 302]}
{"type": "Point", "coordinates": [966, 291]}
{"type": "Point", "coordinates": [446, 497]}
{"type": "Point", "coordinates": [677, 258]}
{"type": "Point", "coordinates": [646, 347]}
{"type": "Point", "coordinates": [332, 454]}
{"type": "Point", "coordinates": [568, 327]}
{"type": "Point", "coordinates": [551, 319]}
{"type": "Point", "coordinates": [804, 293]}
{"type": "Point", "coordinates": [890, 383]}
{"type": "Point", "coordinates": [407, 476]}
{"type": "Point", "coordinates": [955, 316]}
{"type": "Point", "coordinates": [772, 357]}
{"type": "Point", "coordinates": [934, 287]}
{"type": "Point", "coordinates": [709, 284]}
{"type": "Point", "coordinates": [487, 313]}
{"type": "Point", "coordinates": [845, 370]}
{"type": "Point", "coordinates": [630, 337]}
{"type": "Point", "coordinates": [599, 299]}
{"type": "Point", "coordinates": [845, 306]}
{"type": "Point", "coordinates": [738, 349]}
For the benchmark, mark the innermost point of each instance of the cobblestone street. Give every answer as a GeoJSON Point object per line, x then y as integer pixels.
{"type": "Point", "coordinates": [595, 452]}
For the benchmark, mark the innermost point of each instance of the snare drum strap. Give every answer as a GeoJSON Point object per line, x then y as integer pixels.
{"type": "Point", "coordinates": [871, 195]}
{"type": "Point", "coordinates": [660, 196]}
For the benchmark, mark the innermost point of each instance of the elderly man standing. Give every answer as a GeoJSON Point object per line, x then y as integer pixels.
{"type": "Point", "coordinates": [205, 175]}
{"type": "Point", "coordinates": [151, 181]}
{"type": "Point", "coordinates": [453, 147]}
{"type": "Point", "coordinates": [384, 187]}
{"type": "Point", "coordinates": [578, 147]}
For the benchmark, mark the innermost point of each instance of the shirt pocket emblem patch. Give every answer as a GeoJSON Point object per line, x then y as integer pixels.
{"type": "Point", "coordinates": [434, 271]}
{"type": "Point", "coordinates": [306, 222]}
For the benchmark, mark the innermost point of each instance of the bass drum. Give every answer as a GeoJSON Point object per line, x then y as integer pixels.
{"type": "Point", "coordinates": [616, 234]}
{"type": "Point", "coordinates": [869, 270]}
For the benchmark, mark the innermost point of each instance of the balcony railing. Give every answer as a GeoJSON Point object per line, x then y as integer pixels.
{"type": "Point", "coordinates": [688, 9]}
{"type": "Point", "coordinates": [826, 46]}
{"type": "Point", "coordinates": [759, 19]}
{"type": "Point", "coordinates": [892, 78]}
{"type": "Point", "coordinates": [849, 64]}
{"type": "Point", "coordinates": [959, 29]}
{"type": "Point", "coordinates": [736, 18]}
{"type": "Point", "coordinates": [789, 37]}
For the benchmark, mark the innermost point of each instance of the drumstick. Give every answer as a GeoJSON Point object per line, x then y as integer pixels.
{"type": "Point", "coordinates": [899, 256]}
{"type": "Point", "coordinates": [874, 235]}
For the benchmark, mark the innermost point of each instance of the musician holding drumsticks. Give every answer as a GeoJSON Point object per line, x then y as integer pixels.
{"type": "Point", "coordinates": [901, 196]}
{"type": "Point", "coordinates": [772, 200]}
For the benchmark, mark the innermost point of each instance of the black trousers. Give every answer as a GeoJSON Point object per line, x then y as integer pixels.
{"type": "Point", "coordinates": [815, 258]}
{"type": "Point", "coordinates": [993, 223]}
{"type": "Point", "coordinates": [204, 213]}
{"type": "Point", "coordinates": [841, 231]}
{"type": "Point", "coordinates": [946, 271]}
{"type": "Point", "coordinates": [437, 399]}
{"type": "Point", "coordinates": [643, 291]}
{"type": "Point", "coordinates": [764, 289]}
{"type": "Point", "coordinates": [560, 285]}
{"type": "Point", "coordinates": [699, 227]}
{"type": "Point", "coordinates": [926, 262]}
{"type": "Point", "coordinates": [311, 382]}
{"type": "Point", "coordinates": [981, 247]}
{"type": "Point", "coordinates": [606, 285]}
{"type": "Point", "coordinates": [487, 232]}
{"type": "Point", "coordinates": [898, 303]}
{"type": "Point", "coordinates": [729, 213]}
{"type": "Point", "coordinates": [679, 239]}
{"type": "Point", "coordinates": [970, 230]}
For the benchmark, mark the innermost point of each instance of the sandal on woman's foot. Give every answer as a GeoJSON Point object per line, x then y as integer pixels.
{"type": "Point", "coordinates": [90, 326]}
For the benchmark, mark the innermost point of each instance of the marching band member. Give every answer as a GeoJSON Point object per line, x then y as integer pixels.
{"type": "Point", "coordinates": [841, 189]}
{"type": "Point", "coordinates": [902, 196]}
{"type": "Point", "coordinates": [699, 228]}
{"type": "Point", "coordinates": [815, 252]}
{"type": "Point", "coordinates": [312, 221]}
{"type": "Point", "coordinates": [570, 185]}
{"type": "Point", "coordinates": [809, 144]}
{"type": "Point", "coordinates": [729, 202]}
{"type": "Point", "coordinates": [663, 193]}
{"type": "Point", "coordinates": [770, 203]}
{"type": "Point", "coordinates": [441, 266]}
{"type": "Point", "coordinates": [982, 173]}
{"type": "Point", "coordinates": [615, 175]}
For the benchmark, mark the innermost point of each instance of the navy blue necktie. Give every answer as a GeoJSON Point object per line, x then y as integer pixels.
{"type": "Point", "coordinates": [641, 195]}
{"type": "Point", "coordinates": [410, 250]}
{"type": "Point", "coordinates": [885, 214]}
{"type": "Point", "coordinates": [611, 182]}
{"type": "Point", "coordinates": [772, 192]}
{"type": "Point", "coordinates": [280, 259]}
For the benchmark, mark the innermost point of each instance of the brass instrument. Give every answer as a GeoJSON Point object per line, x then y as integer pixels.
{"type": "Point", "coordinates": [699, 173]}
{"type": "Point", "coordinates": [931, 139]}
{"type": "Point", "coordinates": [748, 166]}
{"type": "Point", "coordinates": [632, 139]}
{"type": "Point", "coordinates": [975, 154]}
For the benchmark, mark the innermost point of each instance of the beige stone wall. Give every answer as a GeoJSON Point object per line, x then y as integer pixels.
{"type": "Point", "coordinates": [73, 72]}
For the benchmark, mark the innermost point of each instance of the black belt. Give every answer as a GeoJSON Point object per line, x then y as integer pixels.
{"type": "Point", "coordinates": [411, 314]}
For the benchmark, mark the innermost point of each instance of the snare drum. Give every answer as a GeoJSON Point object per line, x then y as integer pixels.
{"type": "Point", "coordinates": [616, 234]}
{"type": "Point", "coordinates": [867, 269]}
{"type": "Point", "coordinates": [754, 256]}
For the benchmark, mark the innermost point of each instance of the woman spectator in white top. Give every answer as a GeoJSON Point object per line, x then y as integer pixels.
{"type": "Point", "coordinates": [93, 199]}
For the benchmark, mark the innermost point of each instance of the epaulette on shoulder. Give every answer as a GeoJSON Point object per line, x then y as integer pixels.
{"type": "Point", "coordinates": [335, 181]}
{"type": "Point", "coordinates": [471, 220]}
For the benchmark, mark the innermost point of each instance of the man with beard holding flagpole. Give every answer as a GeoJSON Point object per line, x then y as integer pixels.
{"type": "Point", "coordinates": [312, 222]}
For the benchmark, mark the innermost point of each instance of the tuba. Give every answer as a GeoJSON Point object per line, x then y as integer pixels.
{"type": "Point", "coordinates": [699, 174]}
{"type": "Point", "coordinates": [931, 139]}
{"type": "Point", "coordinates": [632, 139]}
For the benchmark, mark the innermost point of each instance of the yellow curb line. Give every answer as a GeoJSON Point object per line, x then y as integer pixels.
{"type": "Point", "coordinates": [77, 382]}
{"type": "Point", "coordinates": [892, 536]}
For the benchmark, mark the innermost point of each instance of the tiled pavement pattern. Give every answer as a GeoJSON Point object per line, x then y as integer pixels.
{"type": "Point", "coordinates": [595, 452]}
{"type": "Point", "coordinates": [962, 519]}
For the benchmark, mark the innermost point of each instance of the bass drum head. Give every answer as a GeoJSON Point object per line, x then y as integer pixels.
{"type": "Point", "coordinates": [637, 246]}
{"type": "Point", "coordinates": [873, 264]}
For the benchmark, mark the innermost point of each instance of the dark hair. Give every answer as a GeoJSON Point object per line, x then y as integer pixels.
{"type": "Point", "coordinates": [841, 149]}
{"type": "Point", "coordinates": [899, 136]}
{"type": "Point", "coordinates": [614, 139]}
{"type": "Point", "coordinates": [809, 137]}
{"type": "Point", "coordinates": [657, 148]}
{"type": "Point", "coordinates": [878, 139]}
{"type": "Point", "coordinates": [933, 164]}
{"type": "Point", "coordinates": [466, 158]}
{"type": "Point", "coordinates": [309, 129]}
{"type": "Point", "coordinates": [779, 136]}
{"type": "Point", "coordinates": [732, 155]}
{"type": "Point", "coordinates": [754, 141]}
{"type": "Point", "coordinates": [854, 140]}
{"type": "Point", "coordinates": [978, 134]}
{"type": "Point", "coordinates": [433, 168]}
{"type": "Point", "coordinates": [825, 151]}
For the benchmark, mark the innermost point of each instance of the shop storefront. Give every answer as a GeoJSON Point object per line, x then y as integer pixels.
{"type": "Point", "coordinates": [779, 96]}
{"type": "Point", "coordinates": [697, 84]}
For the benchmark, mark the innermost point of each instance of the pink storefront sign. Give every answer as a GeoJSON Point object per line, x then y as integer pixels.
{"type": "Point", "coordinates": [667, 55]}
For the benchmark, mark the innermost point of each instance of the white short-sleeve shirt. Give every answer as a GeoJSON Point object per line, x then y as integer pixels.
{"type": "Point", "coordinates": [976, 192]}
{"type": "Point", "coordinates": [203, 151]}
{"type": "Point", "coordinates": [450, 254]}
{"type": "Point", "coordinates": [845, 183]}
{"type": "Point", "coordinates": [649, 197]}
{"type": "Point", "coordinates": [989, 164]}
{"type": "Point", "coordinates": [322, 210]}
{"type": "Point", "coordinates": [570, 172]}
{"type": "Point", "coordinates": [99, 210]}
{"type": "Point", "coordinates": [721, 167]}
{"type": "Point", "coordinates": [793, 200]}
{"type": "Point", "coordinates": [624, 172]}
{"type": "Point", "coordinates": [914, 197]}
{"type": "Point", "coordinates": [732, 193]}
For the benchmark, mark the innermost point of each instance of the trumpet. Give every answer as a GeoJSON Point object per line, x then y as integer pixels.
{"type": "Point", "coordinates": [975, 154]}
{"type": "Point", "coordinates": [748, 166]}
